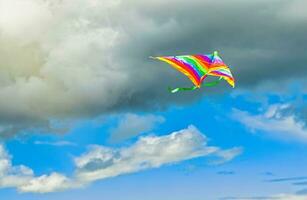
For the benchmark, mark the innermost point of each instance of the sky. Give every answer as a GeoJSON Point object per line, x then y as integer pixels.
{"type": "Point", "coordinates": [85, 114]}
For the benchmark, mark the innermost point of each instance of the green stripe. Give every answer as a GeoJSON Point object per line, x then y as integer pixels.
{"type": "Point", "coordinates": [195, 64]}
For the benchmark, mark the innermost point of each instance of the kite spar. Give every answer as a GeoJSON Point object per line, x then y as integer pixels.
{"type": "Point", "coordinates": [198, 67]}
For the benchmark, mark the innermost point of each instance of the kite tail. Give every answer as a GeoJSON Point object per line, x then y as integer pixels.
{"type": "Point", "coordinates": [213, 83]}
{"type": "Point", "coordinates": [209, 84]}
{"type": "Point", "coordinates": [181, 89]}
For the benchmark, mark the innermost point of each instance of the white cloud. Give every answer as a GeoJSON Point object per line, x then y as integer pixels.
{"type": "Point", "coordinates": [274, 121]}
{"type": "Point", "coordinates": [131, 125]}
{"type": "Point", "coordinates": [24, 15]}
{"type": "Point", "coordinates": [282, 197]}
{"type": "Point", "coordinates": [147, 152]}
{"type": "Point", "coordinates": [291, 197]}
{"type": "Point", "coordinates": [101, 162]}
{"type": "Point", "coordinates": [227, 155]}
{"type": "Point", "coordinates": [56, 143]}
{"type": "Point", "coordinates": [276, 197]}
{"type": "Point", "coordinates": [22, 178]}
{"type": "Point", "coordinates": [47, 183]}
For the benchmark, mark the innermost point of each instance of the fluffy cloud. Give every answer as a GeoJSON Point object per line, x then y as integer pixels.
{"type": "Point", "coordinates": [22, 177]}
{"type": "Point", "coordinates": [47, 183]}
{"type": "Point", "coordinates": [101, 162]}
{"type": "Point", "coordinates": [147, 152]}
{"type": "Point", "coordinates": [276, 120]}
{"type": "Point", "coordinates": [63, 59]}
{"type": "Point", "coordinates": [131, 125]}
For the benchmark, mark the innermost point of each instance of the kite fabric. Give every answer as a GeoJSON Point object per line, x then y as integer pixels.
{"type": "Point", "coordinates": [198, 67]}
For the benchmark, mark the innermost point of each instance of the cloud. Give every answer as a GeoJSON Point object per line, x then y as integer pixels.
{"type": "Point", "coordinates": [295, 11]}
{"type": "Point", "coordinates": [292, 197]}
{"type": "Point", "coordinates": [279, 197]}
{"type": "Point", "coordinates": [23, 178]}
{"type": "Point", "coordinates": [275, 120]}
{"type": "Point", "coordinates": [227, 155]}
{"type": "Point", "coordinates": [131, 125]}
{"type": "Point", "coordinates": [250, 198]}
{"type": "Point", "coordinates": [298, 178]}
{"type": "Point", "coordinates": [82, 59]}
{"type": "Point", "coordinates": [300, 183]}
{"type": "Point", "coordinates": [47, 183]}
{"type": "Point", "coordinates": [225, 172]}
{"type": "Point", "coordinates": [56, 143]}
{"type": "Point", "coordinates": [148, 152]}
{"type": "Point", "coordinates": [268, 174]}
{"type": "Point", "coordinates": [296, 181]}
{"type": "Point", "coordinates": [101, 162]}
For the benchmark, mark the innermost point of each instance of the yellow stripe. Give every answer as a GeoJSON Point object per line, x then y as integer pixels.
{"type": "Point", "coordinates": [181, 70]}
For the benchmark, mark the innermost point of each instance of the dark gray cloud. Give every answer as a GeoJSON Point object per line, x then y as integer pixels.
{"type": "Point", "coordinates": [257, 38]}
{"type": "Point", "coordinates": [81, 60]}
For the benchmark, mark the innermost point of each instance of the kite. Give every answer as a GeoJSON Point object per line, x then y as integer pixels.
{"type": "Point", "coordinates": [198, 67]}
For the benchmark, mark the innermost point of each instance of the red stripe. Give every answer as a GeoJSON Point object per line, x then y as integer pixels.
{"type": "Point", "coordinates": [204, 62]}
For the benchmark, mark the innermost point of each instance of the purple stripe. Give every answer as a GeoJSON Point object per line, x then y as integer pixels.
{"type": "Point", "coordinates": [205, 58]}
{"type": "Point", "coordinates": [222, 74]}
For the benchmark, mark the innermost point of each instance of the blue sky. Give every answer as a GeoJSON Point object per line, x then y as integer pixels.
{"type": "Point", "coordinates": [264, 156]}
{"type": "Point", "coordinates": [85, 114]}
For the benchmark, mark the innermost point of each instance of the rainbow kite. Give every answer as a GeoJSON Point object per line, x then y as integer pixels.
{"type": "Point", "coordinates": [198, 67]}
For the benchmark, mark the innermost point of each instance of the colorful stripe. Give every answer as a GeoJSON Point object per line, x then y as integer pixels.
{"type": "Point", "coordinates": [198, 67]}
{"type": "Point", "coordinates": [187, 70]}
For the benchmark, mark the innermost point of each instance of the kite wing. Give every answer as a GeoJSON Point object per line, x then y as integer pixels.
{"type": "Point", "coordinates": [198, 67]}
